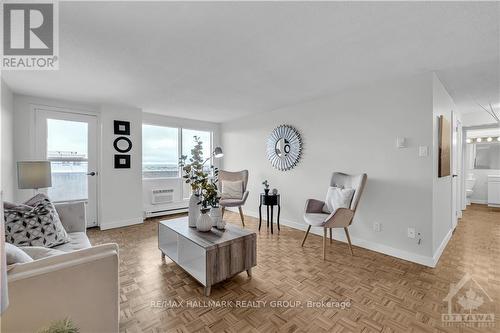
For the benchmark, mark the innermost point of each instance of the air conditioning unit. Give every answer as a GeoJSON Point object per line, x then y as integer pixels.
{"type": "Point", "coordinates": [162, 196]}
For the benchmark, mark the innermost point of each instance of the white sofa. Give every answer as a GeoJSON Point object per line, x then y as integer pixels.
{"type": "Point", "coordinates": [81, 284]}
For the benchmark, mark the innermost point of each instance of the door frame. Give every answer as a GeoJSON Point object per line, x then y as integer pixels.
{"type": "Point", "coordinates": [75, 111]}
{"type": "Point", "coordinates": [456, 176]}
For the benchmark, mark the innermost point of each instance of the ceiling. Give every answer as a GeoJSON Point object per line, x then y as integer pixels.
{"type": "Point", "coordinates": [219, 61]}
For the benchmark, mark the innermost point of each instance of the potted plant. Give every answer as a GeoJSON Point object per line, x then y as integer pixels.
{"type": "Point", "coordinates": [266, 187]}
{"type": "Point", "coordinates": [194, 175]}
{"type": "Point", "coordinates": [213, 199]}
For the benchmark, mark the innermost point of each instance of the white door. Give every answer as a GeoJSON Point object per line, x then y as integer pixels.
{"type": "Point", "coordinates": [455, 171]}
{"type": "Point", "coordinates": [69, 141]}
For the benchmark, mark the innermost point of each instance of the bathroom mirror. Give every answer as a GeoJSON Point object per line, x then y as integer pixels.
{"type": "Point", "coordinates": [486, 155]}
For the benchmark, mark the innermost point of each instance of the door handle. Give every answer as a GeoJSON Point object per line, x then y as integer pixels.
{"type": "Point", "coordinates": [455, 176]}
{"type": "Point", "coordinates": [92, 173]}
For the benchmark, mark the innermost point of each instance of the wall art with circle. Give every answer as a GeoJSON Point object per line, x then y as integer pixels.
{"type": "Point", "coordinates": [284, 147]}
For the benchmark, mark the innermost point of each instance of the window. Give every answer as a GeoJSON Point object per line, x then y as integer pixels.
{"type": "Point", "coordinates": [160, 151]}
{"type": "Point", "coordinates": [67, 149]}
{"type": "Point", "coordinates": [188, 144]}
{"type": "Point", "coordinates": [162, 147]}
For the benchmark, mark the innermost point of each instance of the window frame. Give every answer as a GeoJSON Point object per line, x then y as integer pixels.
{"type": "Point", "coordinates": [179, 147]}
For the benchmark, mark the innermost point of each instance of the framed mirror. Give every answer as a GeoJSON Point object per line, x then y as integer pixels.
{"type": "Point", "coordinates": [284, 147]}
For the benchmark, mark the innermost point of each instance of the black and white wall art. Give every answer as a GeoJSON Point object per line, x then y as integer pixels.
{"type": "Point", "coordinates": [122, 144]}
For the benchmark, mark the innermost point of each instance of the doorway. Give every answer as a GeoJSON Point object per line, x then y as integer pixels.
{"type": "Point", "coordinates": [69, 141]}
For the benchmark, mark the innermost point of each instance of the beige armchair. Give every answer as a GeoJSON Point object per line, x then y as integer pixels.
{"type": "Point", "coordinates": [342, 217]}
{"type": "Point", "coordinates": [235, 176]}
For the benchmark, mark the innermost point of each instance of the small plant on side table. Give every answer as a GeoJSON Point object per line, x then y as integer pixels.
{"type": "Point", "coordinates": [266, 186]}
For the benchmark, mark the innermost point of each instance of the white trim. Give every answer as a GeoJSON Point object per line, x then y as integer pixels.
{"type": "Point", "coordinates": [121, 223]}
{"type": "Point", "coordinates": [385, 249]}
{"type": "Point", "coordinates": [480, 202]}
{"type": "Point", "coordinates": [440, 249]}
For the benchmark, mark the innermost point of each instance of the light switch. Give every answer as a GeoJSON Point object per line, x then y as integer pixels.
{"type": "Point", "coordinates": [423, 151]}
{"type": "Point", "coordinates": [401, 142]}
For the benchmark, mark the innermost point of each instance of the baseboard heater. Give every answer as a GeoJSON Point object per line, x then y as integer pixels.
{"type": "Point", "coordinates": [165, 212]}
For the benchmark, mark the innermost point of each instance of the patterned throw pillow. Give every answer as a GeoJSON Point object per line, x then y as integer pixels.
{"type": "Point", "coordinates": [38, 226]}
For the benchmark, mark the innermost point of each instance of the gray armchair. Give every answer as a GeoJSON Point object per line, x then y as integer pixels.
{"type": "Point", "coordinates": [235, 176]}
{"type": "Point", "coordinates": [342, 217]}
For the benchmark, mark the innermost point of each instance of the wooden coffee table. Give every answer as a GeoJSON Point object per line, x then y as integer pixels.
{"type": "Point", "coordinates": [209, 257]}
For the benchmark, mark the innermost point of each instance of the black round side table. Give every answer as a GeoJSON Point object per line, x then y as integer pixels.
{"type": "Point", "coordinates": [269, 200]}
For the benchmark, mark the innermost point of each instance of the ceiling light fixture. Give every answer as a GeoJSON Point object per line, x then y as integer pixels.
{"type": "Point", "coordinates": [479, 140]}
{"type": "Point", "coordinates": [489, 139]}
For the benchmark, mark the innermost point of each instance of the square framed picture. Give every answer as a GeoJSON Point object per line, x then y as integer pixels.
{"type": "Point", "coordinates": [122, 127]}
{"type": "Point", "coordinates": [122, 161]}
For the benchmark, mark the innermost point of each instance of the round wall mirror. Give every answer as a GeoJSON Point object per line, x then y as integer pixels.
{"type": "Point", "coordinates": [122, 144]}
{"type": "Point", "coordinates": [284, 147]}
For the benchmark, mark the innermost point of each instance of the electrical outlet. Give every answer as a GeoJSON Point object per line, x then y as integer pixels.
{"type": "Point", "coordinates": [411, 232]}
{"type": "Point", "coordinates": [377, 227]}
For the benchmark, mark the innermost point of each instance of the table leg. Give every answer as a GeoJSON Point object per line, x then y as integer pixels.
{"type": "Point", "coordinates": [272, 208]}
{"type": "Point", "coordinates": [279, 210]}
{"type": "Point", "coordinates": [249, 272]}
{"type": "Point", "coordinates": [267, 216]}
{"type": "Point", "coordinates": [207, 291]}
{"type": "Point", "coordinates": [260, 215]}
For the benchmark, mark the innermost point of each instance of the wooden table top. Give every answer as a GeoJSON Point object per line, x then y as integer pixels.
{"type": "Point", "coordinates": [211, 239]}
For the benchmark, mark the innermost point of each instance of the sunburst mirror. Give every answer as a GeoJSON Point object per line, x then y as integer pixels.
{"type": "Point", "coordinates": [284, 147]}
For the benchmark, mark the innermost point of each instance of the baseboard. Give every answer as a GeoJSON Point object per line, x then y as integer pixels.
{"type": "Point", "coordinates": [369, 245]}
{"type": "Point", "coordinates": [121, 223]}
{"type": "Point", "coordinates": [480, 202]}
{"type": "Point", "coordinates": [440, 249]}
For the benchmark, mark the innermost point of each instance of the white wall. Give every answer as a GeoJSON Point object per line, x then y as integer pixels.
{"type": "Point", "coordinates": [442, 187]}
{"type": "Point", "coordinates": [7, 143]}
{"type": "Point", "coordinates": [174, 183]}
{"type": "Point", "coordinates": [120, 189]}
{"type": "Point", "coordinates": [353, 131]}
{"type": "Point", "coordinates": [478, 118]}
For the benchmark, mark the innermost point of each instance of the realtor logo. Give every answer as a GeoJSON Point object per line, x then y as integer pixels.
{"type": "Point", "coordinates": [469, 305]}
{"type": "Point", "coordinates": [30, 35]}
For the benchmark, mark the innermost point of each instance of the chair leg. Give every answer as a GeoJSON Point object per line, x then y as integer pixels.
{"type": "Point", "coordinates": [348, 240]}
{"type": "Point", "coordinates": [324, 243]}
{"type": "Point", "coordinates": [223, 210]}
{"type": "Point", "coordinates": [241, 215]}
{"type": "Point", "coordinates": [330, 236]}
{"type": "Point", "coordinates": [305, 236]}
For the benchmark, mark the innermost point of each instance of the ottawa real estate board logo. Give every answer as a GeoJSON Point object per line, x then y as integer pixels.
{"type": "Point", "coordinates": [468, 305]}
{"type": "Point", "coordinates": [30, 35]}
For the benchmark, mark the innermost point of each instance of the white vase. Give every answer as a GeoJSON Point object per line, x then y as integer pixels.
{"type": "Point", "coordinates": [194, 210]}
{"type": "Point", "coordinates": [221, 224]}
{"type": "Point", "coordinates": [216, 215]}
{"type": "Point", "coordinates": [204, 222]}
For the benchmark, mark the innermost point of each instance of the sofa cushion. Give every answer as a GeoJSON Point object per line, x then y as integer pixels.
{"type": "Point", "coordinates": [78, 241]}
{"type": "Point", "coordinates": [16, 255]}
{"type": "Point", "coordinates": [40, 252]}
{"type": "Point", "coordinates": [38, 226]}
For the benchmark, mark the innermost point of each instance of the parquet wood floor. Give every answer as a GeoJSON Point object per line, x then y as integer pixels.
{"type": "Point", "coordinates": [386, 294]}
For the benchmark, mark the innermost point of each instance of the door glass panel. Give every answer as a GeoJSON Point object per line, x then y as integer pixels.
{"type": "Point", "coordinates": [67, 149]}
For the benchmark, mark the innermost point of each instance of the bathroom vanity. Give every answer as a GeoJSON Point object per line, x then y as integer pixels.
{"type": "Point", "coordinates": [494, 190]}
